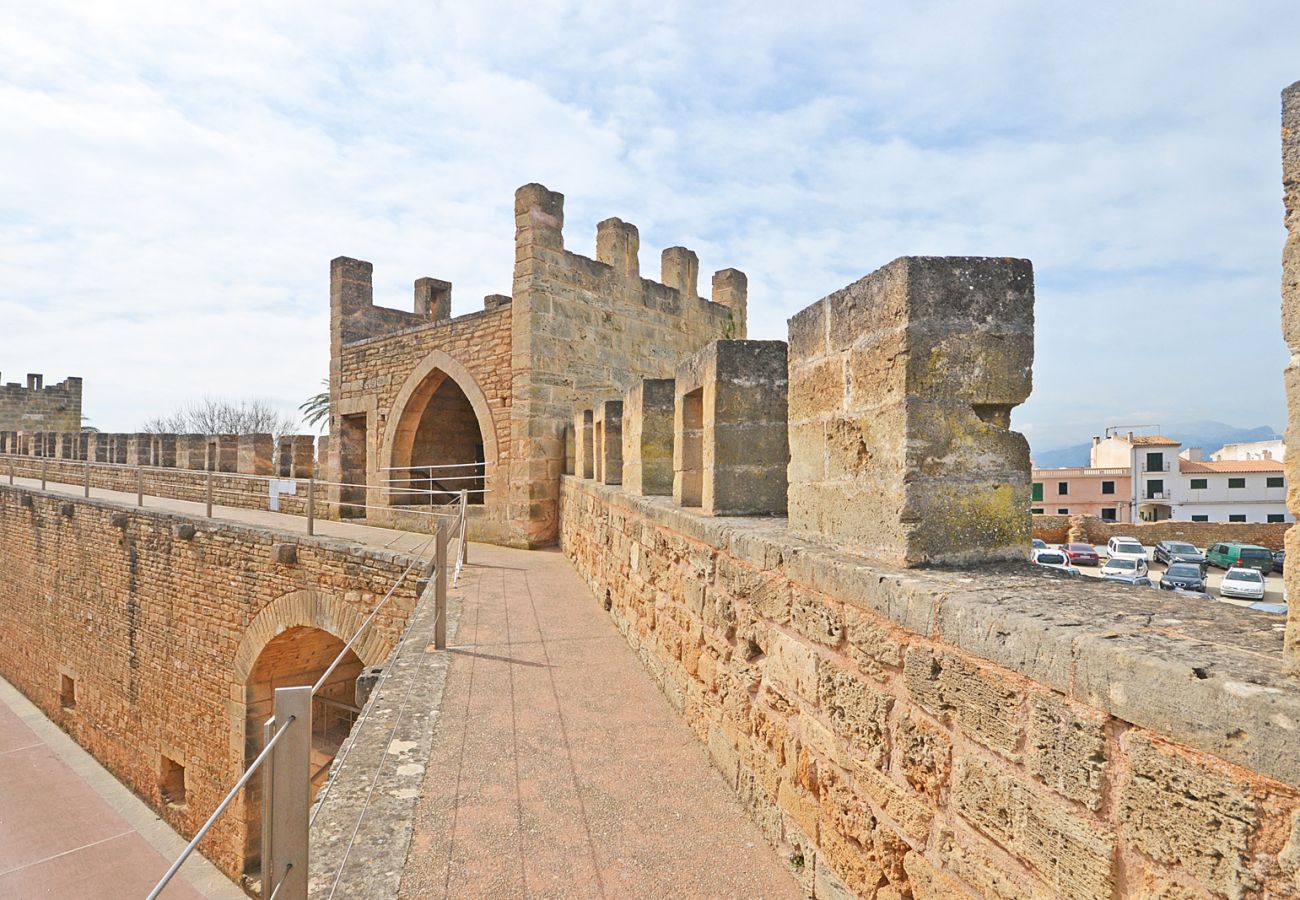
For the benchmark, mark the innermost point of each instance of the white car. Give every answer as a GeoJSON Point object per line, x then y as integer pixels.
{"type": "Point", "coordinates": [1246, 584]}
{"type": "Point", "coordinates": [1126, 548]}
{"type": "Point", "coordinates": [1054, 559]}
{"type": "Point", "coordinates": [1123, 565]}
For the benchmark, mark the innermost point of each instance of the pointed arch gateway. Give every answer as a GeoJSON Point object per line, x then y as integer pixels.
{"type": "Point", "coordinates": [441, 436]}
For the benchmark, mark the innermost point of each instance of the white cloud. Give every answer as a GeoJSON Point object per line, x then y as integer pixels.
{"type": "Point", "coordinates": [176, 178]}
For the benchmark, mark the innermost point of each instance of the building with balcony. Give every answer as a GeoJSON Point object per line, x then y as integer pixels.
{"type": "Point", "coordinates": [1083, 491]}
{"type": "Point", "coordinates": [1152, 478]}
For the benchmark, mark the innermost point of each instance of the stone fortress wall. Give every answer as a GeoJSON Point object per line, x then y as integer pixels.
{"type": "Point", "coordinates": [176, 466]}
{"type": "Point", "coordinates": [900, 720]}
{"type": "Point", "coordinates": [574, 329]}
{"type": "Point", "coordinates": [36, 406]}
{"type": "Point", "coordinates": [136, 632]}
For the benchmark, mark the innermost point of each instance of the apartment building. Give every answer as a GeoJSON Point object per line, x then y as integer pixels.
{"type": "Point", "coordinates": [1083, 491]}
{"type": "Point", "coordinates": [1150, 478]}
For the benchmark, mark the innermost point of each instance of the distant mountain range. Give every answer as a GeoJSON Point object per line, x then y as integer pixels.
{"type": "Point", "coordinates": [1209, 436]}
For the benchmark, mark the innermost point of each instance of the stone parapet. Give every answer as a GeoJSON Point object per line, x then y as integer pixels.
{"type": "Point", "coordinates": [729, 429]}
{"type": "Point", "coordinates": [901, 391]}
{"type": "Point", "coordinates": [999, 731]}
{"type": "Point", "coordinates": [607, 441]}
{"type": "Point", "coordinates": [648, 437]}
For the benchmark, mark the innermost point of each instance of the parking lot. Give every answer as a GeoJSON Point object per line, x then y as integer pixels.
{"type": "Point", "coordinates": [1274, 591]}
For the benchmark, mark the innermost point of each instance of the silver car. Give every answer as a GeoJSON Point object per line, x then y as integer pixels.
{"type": "Point", "coordinates": [1246, 584]}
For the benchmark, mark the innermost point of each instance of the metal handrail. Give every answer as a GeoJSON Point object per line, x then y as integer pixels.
{"type": "Point", "coordinates": [239, 785]}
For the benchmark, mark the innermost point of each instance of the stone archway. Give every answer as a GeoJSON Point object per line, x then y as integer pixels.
{"type": "Point", "coordinates": [292, 642]}
{"type": "Point", "coordinates": [439, 419]}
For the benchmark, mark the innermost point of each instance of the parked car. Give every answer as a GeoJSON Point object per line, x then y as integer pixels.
{"type": "Point", "coordinates": [1040, 544]}
{"type": "Point", "coordinates": [1243, 583]}
{"type": "Point", "coordinates": [1277, 609]}
{"type": "Point", "coordinates": [1170, 552]}
{"type": "Point", "coordinates": [1081, 554]}
{"type": "Point", "coordinates": [1183, 575]}
{"type": "Point", "coordinates": [1132, 579]}
{"type": "Point", "coordinates": [1227, 555]}
{"type": "Point", "coordinates": [1055, 559]}
{"type": "Point", "coordinates": [1125, 548]}
{"type": "Point", "coordinates": [1123, 566]}
{"type": "Point", "coordinates": [1279, 560]}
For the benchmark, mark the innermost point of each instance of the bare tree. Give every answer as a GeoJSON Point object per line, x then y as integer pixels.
{"type": "Point", "coordinates": [220, 416]}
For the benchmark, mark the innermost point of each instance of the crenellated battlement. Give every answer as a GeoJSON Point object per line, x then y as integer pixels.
{"type": "Point", "coordinates": [37, 405]}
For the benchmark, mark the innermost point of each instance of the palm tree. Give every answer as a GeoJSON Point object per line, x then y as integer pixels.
{"type": "Point", "coordinates": [317, 406]}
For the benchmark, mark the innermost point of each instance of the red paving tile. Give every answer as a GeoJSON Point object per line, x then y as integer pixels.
{"type": "Point", "coordinates": [58, 838]}
{"type": "Point", "coordinates": [558, 768]}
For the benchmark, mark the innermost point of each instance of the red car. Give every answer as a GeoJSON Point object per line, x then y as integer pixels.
{"type": "Point", "coordinates": [1081, 554]}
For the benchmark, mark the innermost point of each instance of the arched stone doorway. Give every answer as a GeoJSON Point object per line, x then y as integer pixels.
{"type": "Point", "coordinates": [296, 657]}
{"type": "Point", "coordinates": [441, 436]}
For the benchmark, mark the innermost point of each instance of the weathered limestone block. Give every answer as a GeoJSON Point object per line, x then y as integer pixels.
{"type": "Point", "coordinates": [607, 441]}
{"type": "Point", "coordinates": [680, 269]}
{"type": "Point", "coordinates": [1291, 334]}
{"type": "Point", "coordinates": [225, 450]}
{"type": "Point", "coordinates": [985, 706]}
{"type": "Point", "coordinates": [584, 450]}
{"type": "Point", "coordinates": [618, 244]}
{"type": "Point", "coordinates": [163, 450]}
{"type": "Point", "coordinates": [856, 710]}
{"type": "Point", "coordinates": [1189, 815]}
{"type": "Point", "coordinates": [648, 437]}
{"type": "Point", "coordinates": [192, 451]}
{"type": "Point", "coordinates": [284, 456]}
{"type": "Point", "coordinates": [731, 289]}
{"type": "Point", "coordinates": [924, 754]}
{"type": "Point", "coordinates": [1072, 854]}
{"type": "Point", "coordinates": [1067, 749]}
{"type": "Point", "coordinates": [729, 429]}
{"type": "Point", "coordinates": [433, 299]}
{"type": "Point", "coordinates": [254, 454]}
{"type": "Point", "coordinates": [304, 456]}
{"type": "Point", "coordinates": [138, 448]}
{"type": "Point", "coordinates": [901, 391]}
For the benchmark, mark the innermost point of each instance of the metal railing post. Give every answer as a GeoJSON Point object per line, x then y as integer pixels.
{"type": "Point", "coordinates": [139, 486]}
{"type": "Point", "coordinates": [87, 479]}
{"type": "Point", "coordinates": [311, 505]}
{"type": "Point", "coordinates": [440, 589]}
{"type": "Point", "coordinates": [284, 822]}
{"type": "Point", "coordinates": [209, 492]}
{"type": "Point", "coordinates": [45, 471]}
{"type": "Point", "coordinates": [464, 508]}
{"type": "Point", "coordinates": [11, 471]}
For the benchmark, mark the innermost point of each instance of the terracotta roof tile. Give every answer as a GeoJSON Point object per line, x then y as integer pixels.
{"type": "Point", "coordinates": [1233, 466]}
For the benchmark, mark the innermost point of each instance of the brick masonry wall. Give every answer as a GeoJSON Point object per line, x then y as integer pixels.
{"type": "Point", "coordinates": [160, 634]}
{"type": "Point", "coordinates": [924, 734]}
{"type": "Point", "coordinates": [1054, 530]}
{"type": "Point", "coordinates": [374, 371]}
{"type": "Point", "coordinates": [56, 407]}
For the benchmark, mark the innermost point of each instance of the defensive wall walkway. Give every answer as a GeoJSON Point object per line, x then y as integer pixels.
{"type": "Point", "coordinates": [557, 767]}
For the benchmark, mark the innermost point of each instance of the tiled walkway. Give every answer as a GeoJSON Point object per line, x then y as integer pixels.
{"type": "Point", "coordinates": [558, 768]}
{"type": "Point", "coordinates": [68, 829]}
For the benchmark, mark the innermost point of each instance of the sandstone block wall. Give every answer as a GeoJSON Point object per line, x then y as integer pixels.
{"type": "Point", "coordinates": [901, 391]}
{"type": "Point", "coordinates": [37, 407]}
{"type": "Point", "coordinates": [158, 620]}
{"type": "Point", "coordinates": [934, 734]}
{"type": "Point", "coordinates": [1055, 530]}
{"type": "Point", "coordinates": [1291, 334]}
{"type": "Point", "coordinates": [584, 330]}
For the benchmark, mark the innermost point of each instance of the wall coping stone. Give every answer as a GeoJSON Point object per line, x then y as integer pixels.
{"type": "Point", "coordinates": [1208, 675]}
{"type": "Point", "coordinates": [426, 326]}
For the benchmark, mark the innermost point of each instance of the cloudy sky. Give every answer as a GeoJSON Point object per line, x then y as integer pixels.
{"type": "Point", "coordinates": [174, 178]}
